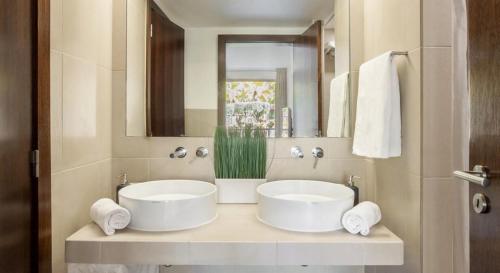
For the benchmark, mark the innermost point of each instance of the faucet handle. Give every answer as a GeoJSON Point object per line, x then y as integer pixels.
{"type": "Point", "coordinates": [318, 152]}
{"type": "Point", "coordinates": [180, 152]}
{"type": "Point", "coordinates": [202, 152]}
{"type": "Point", "coordinates": [296, 152]}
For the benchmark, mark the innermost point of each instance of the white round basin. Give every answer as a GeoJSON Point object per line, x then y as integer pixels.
{"type": "Point", "coordinates": [169, 205]}
{"type": "Point", "coordinates": [302, 205]}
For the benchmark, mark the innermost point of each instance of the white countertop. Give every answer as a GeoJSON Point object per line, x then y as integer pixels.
{"type": "Point", "coordinates": [236, 237]}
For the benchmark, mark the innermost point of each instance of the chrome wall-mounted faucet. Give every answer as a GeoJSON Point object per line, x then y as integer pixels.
{"type": "Point", "coordinates": [180, 152]}
{"type": "Point", "coordinates": [318, 152]}
{"type": "Point", "coordinates": [201, 152]}
{"type": "Point", "coordinates": [296, 152]}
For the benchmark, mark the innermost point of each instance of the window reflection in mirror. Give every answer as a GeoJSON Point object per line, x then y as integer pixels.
{"type": "Point", "coordinates": [195, 65]}
{"type": "Point", "coordinates": [259, 81]}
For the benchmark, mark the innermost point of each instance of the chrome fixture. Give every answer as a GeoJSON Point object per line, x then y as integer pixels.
{"type": "Point", "coordinates": [403, 53]}
{"type": "Point", "coordinates": [201, 152]}
{"type": "Point", "coordinates": [296, 152]}
{"type": "Point", "coordinates": [354, 188]}
{"type": "Point", "coordinates": [180, 152]}
{"type": "Point", "coordinates": [480, 203]}
{"type": "Point", "coordinates": [318, 152]}
{"type": "Point", "coordinates": [479, 175]}
{"type": "Point", "coordinates": [123, 183]}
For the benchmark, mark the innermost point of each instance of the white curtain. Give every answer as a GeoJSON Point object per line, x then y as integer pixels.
{"type": "Point", "coordinates": [280, 99]}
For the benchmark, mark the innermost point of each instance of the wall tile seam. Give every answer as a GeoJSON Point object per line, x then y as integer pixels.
{"type": "Point", "coordinates": [414, 173]}
{"type": "Point", "coordinates": [133, 158]}
{"type": "Point", "coordinates": [414, 50]}
{"type": "Point", "coordinates": [93, 62]}
{"type": "Point", "coordinates": [334, 159]}
{"type": "Point", "coordinates": [421, 186]}
{"type": "Point", "coordinates": [55, 50]}
{"type": "Point", "coordinates": [441, 179]}
{"type": "Point", "coordinates": [421, 131]}
{"type": "Point", "coordinates": [410, 51]}
{"type": "Point", "coordinates": [64, 54]}
{"type": "Point", "coordinates": [421, 30]}
{"type": "Point", "coordinates": [397, 170]}
{"type": "Point", "coordinates": [82, 166]}
{"type": "Point", "coordinates": [424, 29]}
{"type": "Point", "coordinates": [437, 47]}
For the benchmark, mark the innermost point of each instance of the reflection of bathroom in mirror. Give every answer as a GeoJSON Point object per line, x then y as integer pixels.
{"type": "Point", "coordinates": [195, 65]}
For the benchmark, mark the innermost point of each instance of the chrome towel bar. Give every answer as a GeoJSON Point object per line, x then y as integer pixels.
{"type": "Point", "coordinates": [403, 53]}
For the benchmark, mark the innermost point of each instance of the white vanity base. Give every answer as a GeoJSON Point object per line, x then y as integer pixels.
{"type": "Point", "coordinates": [236, 237]}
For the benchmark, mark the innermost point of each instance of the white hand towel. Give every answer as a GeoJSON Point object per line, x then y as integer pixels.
{"type": "Point", "coordinates": [377, 132]}
{"type": "Point", "coordinates": [339, 112]}
{"type": "Point", "coordinates": [109, 215]}
{"type": "Point", "coordinates": [361, 218]}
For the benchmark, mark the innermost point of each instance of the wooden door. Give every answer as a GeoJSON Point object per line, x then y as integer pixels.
{"type": "Point", "coordinates": [24, 127]}
{"type": "Point", "coordinates": [25, 233]}
{"type": "Point", "coordinates": [166, 88]}
{"type": "Point", "coordinates": [484, 73]}
{"type": "Point", "coordinates": [307, 82]}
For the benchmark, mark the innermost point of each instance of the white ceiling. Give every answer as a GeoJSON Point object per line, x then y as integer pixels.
{"type": "Point", "coordinates": [246, 13]}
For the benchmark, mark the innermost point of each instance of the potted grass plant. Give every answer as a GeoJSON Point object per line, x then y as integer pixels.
{"type": "Point", "coordinates": [240, 163]}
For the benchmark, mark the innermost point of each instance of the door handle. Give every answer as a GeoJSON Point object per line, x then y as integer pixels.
{"type": "Point", "coordinates": [479, 175]}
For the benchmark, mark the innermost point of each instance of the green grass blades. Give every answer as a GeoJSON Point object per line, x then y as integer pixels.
{"type": "Point", "coordinates": [240, 153]}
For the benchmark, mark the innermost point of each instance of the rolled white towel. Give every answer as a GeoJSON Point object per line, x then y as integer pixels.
{"type": "Point", "coordinates": [361, 218]}
{"type": "Point", "coordinates": [109, 215]}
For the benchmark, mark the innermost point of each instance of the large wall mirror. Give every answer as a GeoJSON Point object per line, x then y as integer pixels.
{"type": "Point", "coordinates": [282, 66]}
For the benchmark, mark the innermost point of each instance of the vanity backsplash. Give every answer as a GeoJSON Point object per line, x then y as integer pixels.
{"type": "Point", "coordinates": [152, 161]}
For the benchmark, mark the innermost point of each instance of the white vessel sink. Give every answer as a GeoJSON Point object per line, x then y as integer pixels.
{"type": "Point", "coordinates": [169, 205]}
{"type": "Point", "coordinates": [302, 205]}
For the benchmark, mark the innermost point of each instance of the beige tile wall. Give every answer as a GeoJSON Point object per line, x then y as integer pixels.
{"type": "Point", "coordinates": [395, 25]}
{"type": "Point", "coordinates": [423, 173]}
{"type": "Point", "coordinates": [136, 60]}
{"type": "Point", "coordinates": [153, 163]}
{"type": "Point", "coordinates": [87, 76]}
{"type": "Point", "coordinates": [81, 59]}
{"type": "Point", "coordinates": [200, 122]}
{"type": "Point", "coordinates": [438, 221]}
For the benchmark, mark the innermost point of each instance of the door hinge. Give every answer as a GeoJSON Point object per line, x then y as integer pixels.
{"type": "Point", "coordinates": [151, 31]}
{"type": "Point", "coordinates": [35, 163]}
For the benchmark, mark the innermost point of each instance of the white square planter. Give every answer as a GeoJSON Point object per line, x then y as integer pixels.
{"type": "Point", "coordinates": [237, 191]}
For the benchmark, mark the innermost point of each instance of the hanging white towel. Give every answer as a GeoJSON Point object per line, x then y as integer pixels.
{"type": "Point", "coordinates": [112, 268]}
{"type": "Point", "coordinates": [361, 218]}
{"type": "Point", "coordinates": [339, 112]}
{"type": "Point", "coordinates": [377, 132]}
{"type": "Point", "coordinates": [109, 216]}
